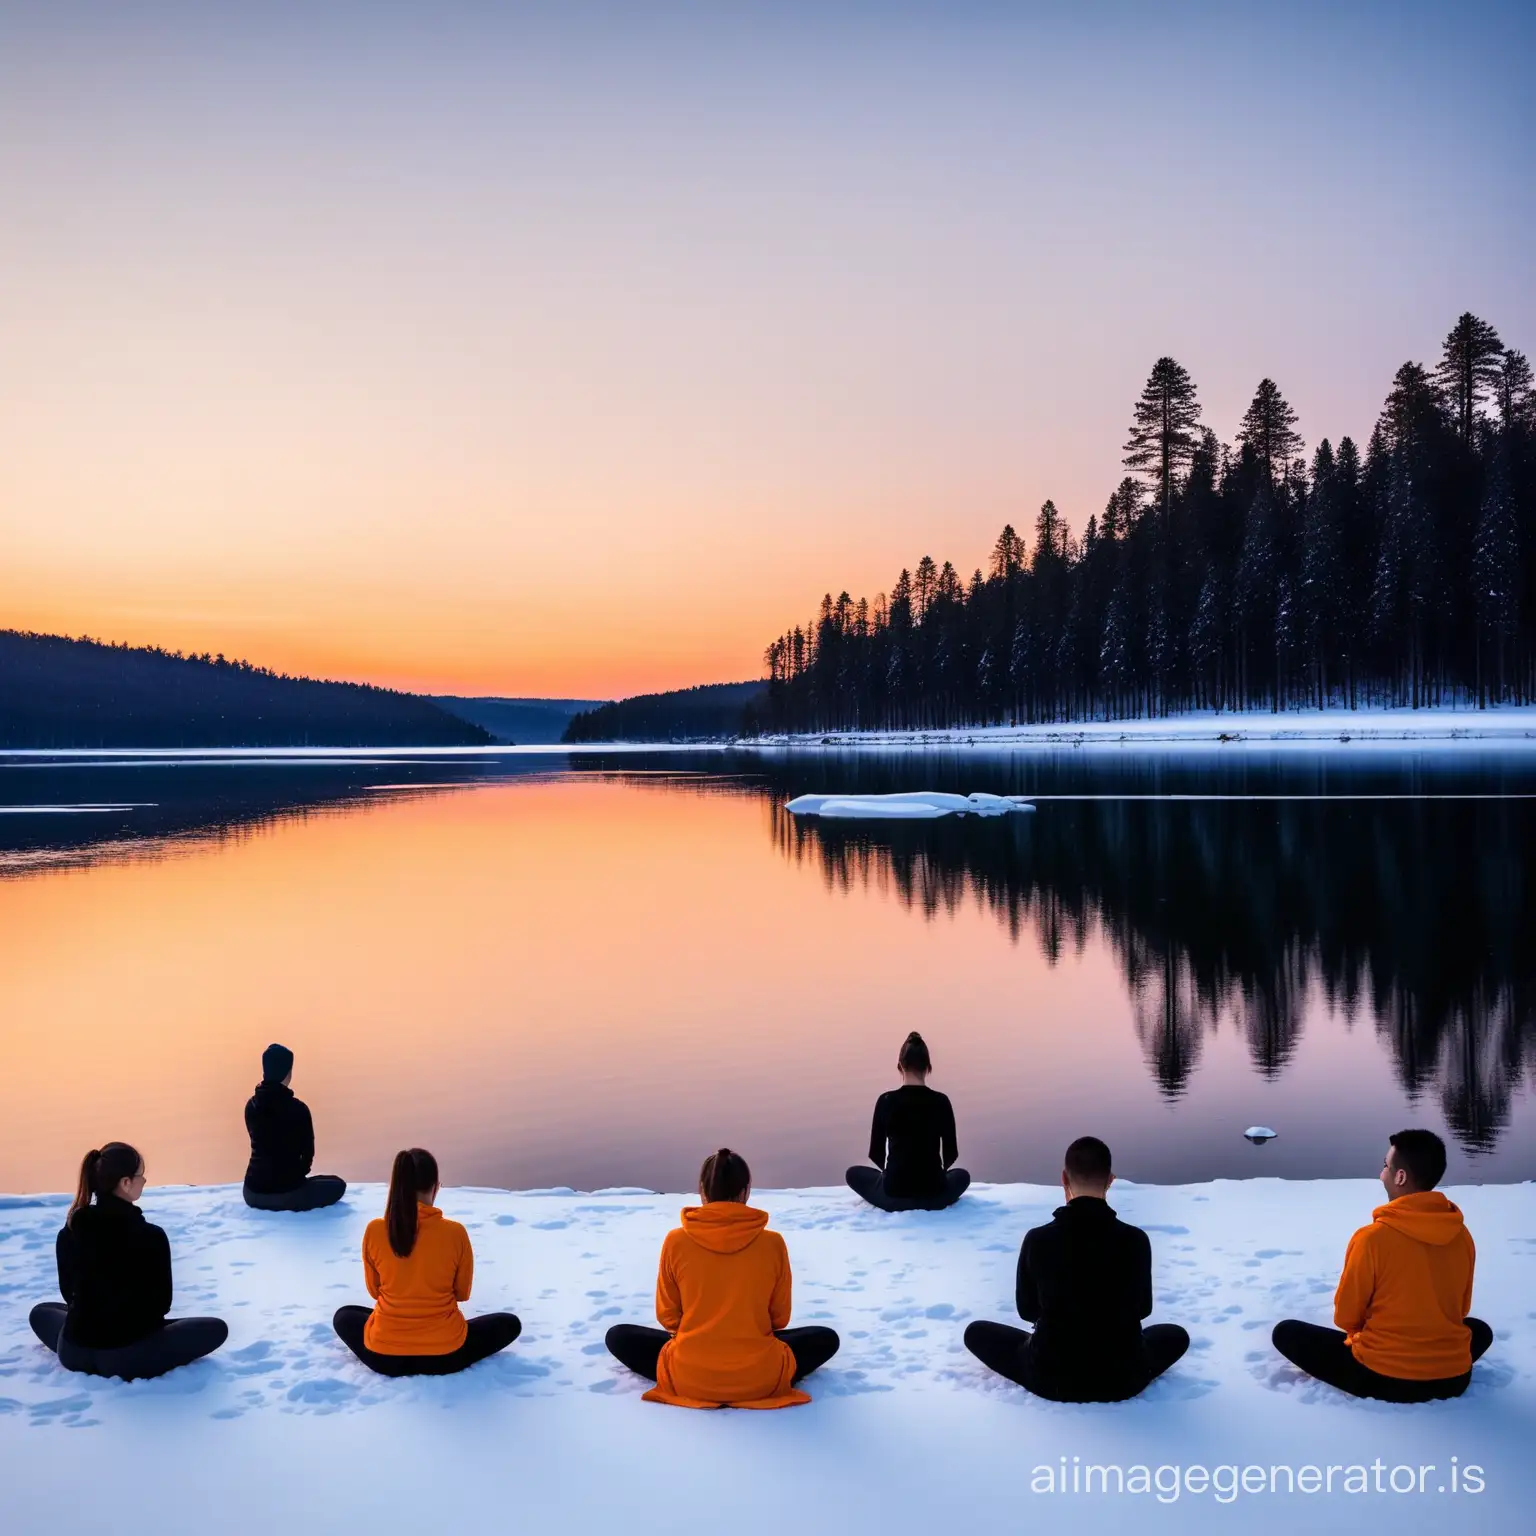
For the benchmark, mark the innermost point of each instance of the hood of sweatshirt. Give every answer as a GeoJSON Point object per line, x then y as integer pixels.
{"type": "Point", "coordinates": [723, 1226]}
{"type": "Point", "coordinates": [1426, 1218]}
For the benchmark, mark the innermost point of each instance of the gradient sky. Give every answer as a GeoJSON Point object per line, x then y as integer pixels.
{"type": "Point", "coordinates": [577, 351]}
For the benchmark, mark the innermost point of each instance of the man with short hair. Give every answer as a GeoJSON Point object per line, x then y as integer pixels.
{"type": "Point", "coordinates": [1403, 1298]}
{"type": "Point", "coordinates": [1085, 1281]}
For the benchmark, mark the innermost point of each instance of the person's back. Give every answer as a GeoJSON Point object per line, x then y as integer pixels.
{"type": "Point", "coordinates": [722, 1290]}
{"type": "Point", "coordinates": [115, 1278]}
{"type": "Point", "coordinates": [912, 1142]}
{"type": "Point", "coordinates": [1406, 1289]}
{"type": "Point", "coordinates": [418, 1266]}
{"type": "Point", "coordinates": [723, 1301]}
{"type": "Point", "coordinates": [1402, 1332]}
{"type": "Point", "coordinates": [282, 1139]}
{"type": "Point", "coordinates": [1085, 1281]}
{"type": "Point", "coordinates": [277, 1178]}
{"type": "Point", "coordinates": [913, 1135]}
{"type": "Point", "coordinates": [115, 1274]}
{"type": "Point", "coordinates": [417, 1297]}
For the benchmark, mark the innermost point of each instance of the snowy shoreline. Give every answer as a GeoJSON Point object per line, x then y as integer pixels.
{"type": "Point", "coordinates": [1397, 728]}
{"type": "Point", "coordinates": [1430, 729]}
{"type": "Point", "coordinates": [520, 1436]}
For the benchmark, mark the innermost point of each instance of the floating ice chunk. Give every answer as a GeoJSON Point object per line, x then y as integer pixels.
{"type": "Point", "coordinates": [913, 805]}
{"type": "Point", "coordinates": [1259, 1134]}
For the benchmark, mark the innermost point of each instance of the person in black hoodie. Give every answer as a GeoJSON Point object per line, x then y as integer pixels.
{"type": "Point", "coordinates": [912, 1142]}
{"type": "Point", "coordinates": [283, 1144]}
{"type": "Point", "coordinates": [115, 1276]}
{"type": "Point", "coordinates": [1085, 1282]}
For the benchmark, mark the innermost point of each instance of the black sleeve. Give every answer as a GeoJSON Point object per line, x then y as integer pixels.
{"type": "Point", "coordinates": [158, 1259]}
{"type": "Point", "coordinates": [306, 1136]}
{"type": "Point", "coordinates": [877, 1132]}
{"type": "Point", "coordinates": [1141, 1275]}
{"type": "Point", "coordinates": [950, 1148]}
{"type": "Point", "coordinates": [1026, 1297]}
{"type": "Point", "coordinates": [64, 1252]}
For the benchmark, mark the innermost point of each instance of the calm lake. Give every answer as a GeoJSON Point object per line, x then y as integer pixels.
{"type": "Point", "coordinates": [591, 970]}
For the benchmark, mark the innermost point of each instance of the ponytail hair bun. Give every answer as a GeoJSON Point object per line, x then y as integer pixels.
{"type": "Point", "coordinates": [413, 1175]}
{"type": "Point", "coordinates": [914, 1055]}
{"type": "Point", "coordinates": [102, 1169]}
{"type": "Point", "coordinates": [724, 1176]}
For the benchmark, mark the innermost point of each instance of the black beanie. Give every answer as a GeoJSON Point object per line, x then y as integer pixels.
{"type": "Point", "coordinates": [276, 1063]}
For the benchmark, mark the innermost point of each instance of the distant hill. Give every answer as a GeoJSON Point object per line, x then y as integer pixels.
{"type": "Point", "coordinates": [523, 722]}
{"type": "Point", "coordinates": [57, 692]}
{"type": "Point", "coordinates": [710, 712]}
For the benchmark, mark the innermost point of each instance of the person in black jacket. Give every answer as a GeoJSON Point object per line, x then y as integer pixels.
{"type": "Point", "coordinates": [283, 1144]}
{"type": "Point", "coordinates": [912, 1142]}
{"type": "Point", "coordinates": [1085, 1282]}
{"type": "Point", "coordinates": [115, 1276]}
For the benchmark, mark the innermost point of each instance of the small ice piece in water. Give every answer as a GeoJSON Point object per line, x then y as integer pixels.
{"type": "Point", "coordinates": [1259, 1134]}
{"type": "Point", "coordinates": [912, 805]}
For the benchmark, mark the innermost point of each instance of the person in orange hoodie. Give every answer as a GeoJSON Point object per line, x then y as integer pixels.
{"type": "Point", "coordinates": [419, 1266]}
{"type": "Point", "coordinates": [1403, 1298]}
{"type": "Point", "coordinates": [722, 1299]}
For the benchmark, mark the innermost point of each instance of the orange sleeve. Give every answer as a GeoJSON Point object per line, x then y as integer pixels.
{"type": "Point", "coordinates": [1357, 1284]}
{"type": "Point", "coordinates": [669, 1300]}
{"type": "Point", "coordinates": [1466, 1299]}
{"type": "Point", "coordinates": [464, 1275]}
{"type": "Point", "coordinates": [370, 1270]}
{"type": "Point", "coordinates": [779, 1302]}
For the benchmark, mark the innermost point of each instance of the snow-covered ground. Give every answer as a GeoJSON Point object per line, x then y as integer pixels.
{"type": "Point", "coordinates": [1316, 727]}
{"type": "Point", "coordinates": [284, 1430]}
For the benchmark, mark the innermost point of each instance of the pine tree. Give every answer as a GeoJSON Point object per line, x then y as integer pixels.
{"type": "Point", "coordinates": [923, 584]}
{"type": "Point", "coordinates": [1496, 572]}
{"type": "Point", "coordinates": [1513, 391]}
{"type": "Point", "coordinates": [1051, 535]}
{"type": "Point", "coordinates": [1321, 594]}
{"type": "Point", "coordinates": [1164, 429]}
{"type": "Point", "coordinates": [1470, 364]}
{"type": "Point", "coordinates": [1007, 554]}
{"type": "Point", "coordinates": [1256, 580]}
{"type": "Point", "coordinates": [1269, 428]}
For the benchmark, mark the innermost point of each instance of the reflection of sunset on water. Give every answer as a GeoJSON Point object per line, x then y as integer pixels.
{"type": "Point", "coordinates": [585, 981]}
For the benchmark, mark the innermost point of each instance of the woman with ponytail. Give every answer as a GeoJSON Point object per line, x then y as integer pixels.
{"type": "Point", "coordinates": [418, 1267]}
{"type": "Point", "coordinates": [912, 1142]}
{"type": "Point", "coordinates": [723, 1299]}
{"type": "Point", "coordinates": [115, 1277]}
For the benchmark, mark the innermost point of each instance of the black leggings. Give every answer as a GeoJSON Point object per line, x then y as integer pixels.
{"type": "Point", "coordinates": [316, 1192]}
{"type": "Point", "coordinates": [1007, 1351]}
{"type": "Point", "coordinates": [1322, 1352]}
{"type": "Point", "coordinates": [487, 1336]}
{"type": "Point", "coordinates": [870, 1184]}
{"type": "Point", "coordinates": [640, 1348]}
{"type": "Point", "coordinates": [179, 1341]}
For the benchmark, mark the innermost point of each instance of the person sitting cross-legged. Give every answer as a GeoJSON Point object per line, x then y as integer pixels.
{"type": "Point", "coordinates": [418, 1267]}
{"type": "Point", "coordinates": [115, 1277]}
{"type": "Point", "coordinates": [282, 1134]}
{"type": "Point", "coordinates": [912, 1142]}
{"type": "Point", "coordinates": [1085, 1282]}
{"type": "Point", "coordinates": [723, 1301]}
{"type": "Point", "coordinates": [1403, 1333]}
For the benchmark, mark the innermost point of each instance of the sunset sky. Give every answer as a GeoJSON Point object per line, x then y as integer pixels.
{"type": "Point", "coordinates": [576, 351]}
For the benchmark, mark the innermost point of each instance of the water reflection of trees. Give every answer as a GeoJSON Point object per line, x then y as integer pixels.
{"type": "Point", "coordinates": [1415, 914]}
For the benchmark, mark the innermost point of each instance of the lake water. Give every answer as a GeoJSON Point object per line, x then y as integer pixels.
{"type": "Point", "coordinates": [592, 970]}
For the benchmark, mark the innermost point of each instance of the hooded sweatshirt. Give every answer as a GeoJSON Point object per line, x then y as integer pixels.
{"type": "Point", "coordinates": [1407, 1288]}
{"type": "Point", "coordinates": [722, 1290]}
{"type": "Point", "coordinates": [417, 1311]}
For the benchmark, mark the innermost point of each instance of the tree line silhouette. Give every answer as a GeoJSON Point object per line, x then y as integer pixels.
{"type": "Point", "coordinates": [1222, 576]}
{"type": "Point", "coordinates": [58, 692]}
